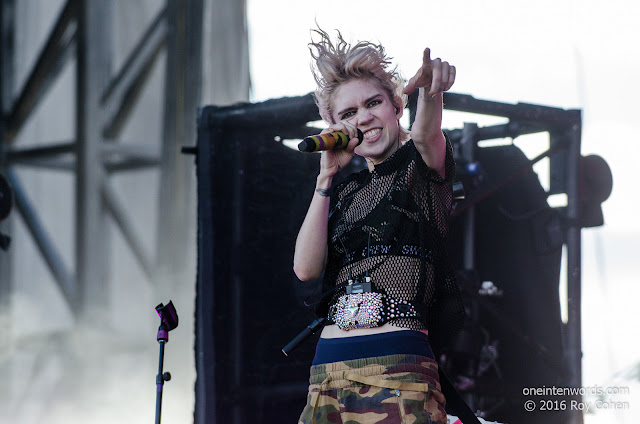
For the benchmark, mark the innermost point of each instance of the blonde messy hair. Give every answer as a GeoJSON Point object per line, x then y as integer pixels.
{"type": "Point", "coordinates": [335, 64]}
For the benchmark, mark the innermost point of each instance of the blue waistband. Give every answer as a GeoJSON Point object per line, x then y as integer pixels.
{"type": "Point", "coordinates": [408, 342]}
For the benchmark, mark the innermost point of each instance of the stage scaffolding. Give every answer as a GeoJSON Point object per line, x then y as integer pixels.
{"type": "Point", "coordinates": [82, 36]}
{"type": "Point", "coordinates": [89, 53]}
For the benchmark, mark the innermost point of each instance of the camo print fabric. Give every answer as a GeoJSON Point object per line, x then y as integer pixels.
{"type": "Point", "coordinates": [389, 389]}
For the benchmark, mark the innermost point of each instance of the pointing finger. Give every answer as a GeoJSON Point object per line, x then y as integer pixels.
{"type": "Point", "coordinates": [426, 56]}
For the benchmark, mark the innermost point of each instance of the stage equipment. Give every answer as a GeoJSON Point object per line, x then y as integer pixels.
{"type": "Point", "coordinates": [168, 321]}
{"type": "Point", "coordinates": [253, 193]}
{"type": "Point", "coordinates": [6, 203]}
{"type": "Point", "coordinates": [596, 183]}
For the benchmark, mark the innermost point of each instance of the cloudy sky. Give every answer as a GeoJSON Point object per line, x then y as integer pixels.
{"type": "Point", "coordinates": [568, 54]}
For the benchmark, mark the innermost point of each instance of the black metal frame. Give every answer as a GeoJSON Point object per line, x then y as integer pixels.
{"type": "Point", "coordinates": [288, 118]}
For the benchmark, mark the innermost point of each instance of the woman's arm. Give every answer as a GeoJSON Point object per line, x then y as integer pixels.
{"type": "Point", "coordinates": [311, 245]}
{"type": "Point", "coordinates": [433, 78]}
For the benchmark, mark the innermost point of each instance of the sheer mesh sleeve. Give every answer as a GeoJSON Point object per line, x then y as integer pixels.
{"type": "Point", "coordinates": [449, 165]}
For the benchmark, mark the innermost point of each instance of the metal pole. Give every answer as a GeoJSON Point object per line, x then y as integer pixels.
{"type": "Point", "coordinates": [7, 19]}
{"type": "Point", "coordinates": [468, 143]}
{"type": "Point", "coordinates": [159, 382]}
{"type": "Point", "coordinates": [468, 149]}
{"type": "Point", "coordinates": [574, 326]}
{"type": "Point", "coordinates": [93, 71]}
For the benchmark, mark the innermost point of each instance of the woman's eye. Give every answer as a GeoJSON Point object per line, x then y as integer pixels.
{"type": "Point", "coordinates": [374, 103]}
{"type": "Point", "coordinates": [348, 115]}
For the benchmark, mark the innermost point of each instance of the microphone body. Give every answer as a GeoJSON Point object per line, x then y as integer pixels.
{"type": "Point", "coordinates": [309, 330]}
{"type": "Point", "coordinates": [330, 141]}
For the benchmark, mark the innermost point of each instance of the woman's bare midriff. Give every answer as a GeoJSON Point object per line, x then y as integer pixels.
{"type": "Point", "coordinates": [333, 332]}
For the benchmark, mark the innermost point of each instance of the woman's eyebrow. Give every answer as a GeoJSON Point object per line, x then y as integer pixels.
{"type": "Point", "coordinates": [353, 107]}
{"type": "Point", "coordinates": [343, 111]}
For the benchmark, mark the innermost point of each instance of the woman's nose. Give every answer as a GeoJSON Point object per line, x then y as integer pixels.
{"type": "Point", "coordinates": [364, 117]}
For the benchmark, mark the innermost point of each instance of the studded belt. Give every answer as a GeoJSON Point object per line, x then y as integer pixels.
{"type": "Point", "coordinates": [391, 309]}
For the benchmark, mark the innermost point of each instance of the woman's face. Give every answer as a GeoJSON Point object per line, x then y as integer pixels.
{"type": "Point", "coordinates": [365, 105]}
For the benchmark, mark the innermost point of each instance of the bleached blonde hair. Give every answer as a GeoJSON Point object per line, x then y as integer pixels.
{"type": "Point", "coordinates": [335, 64]}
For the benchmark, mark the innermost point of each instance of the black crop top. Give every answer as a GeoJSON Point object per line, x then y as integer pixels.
{"type": "Point", "coordinates": [392, 223]}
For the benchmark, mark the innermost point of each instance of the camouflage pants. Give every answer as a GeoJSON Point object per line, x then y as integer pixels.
{"type": "Point", "coordinates": [390, 389]}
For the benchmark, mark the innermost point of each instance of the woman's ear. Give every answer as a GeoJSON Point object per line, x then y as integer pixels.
{"type": "Point", "coordinates": [397, 104]}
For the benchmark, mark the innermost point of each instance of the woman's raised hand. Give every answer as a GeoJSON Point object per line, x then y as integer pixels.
{"type": "Point", "coordinates": [434, 75]}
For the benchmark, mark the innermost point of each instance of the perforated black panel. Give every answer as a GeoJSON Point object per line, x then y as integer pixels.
{"type": "Point", "coordinates": [253, 194]}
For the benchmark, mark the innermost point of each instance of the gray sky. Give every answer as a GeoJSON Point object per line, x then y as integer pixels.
{"type": "Point", "coordinates": [568, 54]}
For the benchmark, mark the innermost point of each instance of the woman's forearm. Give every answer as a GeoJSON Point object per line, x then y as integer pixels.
{"type": "Point", "coordinates": [311, 245]}
{"type": "Point", "coordinates": [426, 130]}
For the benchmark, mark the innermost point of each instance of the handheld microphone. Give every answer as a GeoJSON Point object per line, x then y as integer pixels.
{"type": "Point", "coordinates": [309, 330]}
{"type": "Point", "coordinates": [330, 141]}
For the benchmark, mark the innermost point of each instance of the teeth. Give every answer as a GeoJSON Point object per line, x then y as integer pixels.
{"type": "Point", "coordinates": [372, 133]}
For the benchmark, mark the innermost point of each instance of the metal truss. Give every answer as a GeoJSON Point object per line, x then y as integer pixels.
{"type": "Point", "coordinates": [105, 99]}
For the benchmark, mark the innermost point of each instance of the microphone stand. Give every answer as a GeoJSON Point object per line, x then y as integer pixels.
{"type": "Point", "coordinates": [163, 338]}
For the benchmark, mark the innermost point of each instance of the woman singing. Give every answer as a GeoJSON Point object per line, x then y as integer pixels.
{"type": "Point", "coordinates": [379, 238]}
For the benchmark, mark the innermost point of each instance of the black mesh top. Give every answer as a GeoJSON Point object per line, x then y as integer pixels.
{"type": "Point", "coordinates": [392, 224]}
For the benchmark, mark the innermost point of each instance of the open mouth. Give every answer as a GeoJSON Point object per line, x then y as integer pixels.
{"type": "Point", "coordinates": [371, 134]}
